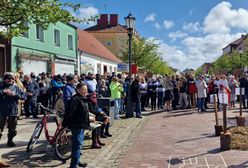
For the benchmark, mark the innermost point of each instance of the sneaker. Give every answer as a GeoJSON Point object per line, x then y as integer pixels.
{"type": "Point", "coordinates": [80, 164]}
{"type": "Point", "coordinates": [11, 144]}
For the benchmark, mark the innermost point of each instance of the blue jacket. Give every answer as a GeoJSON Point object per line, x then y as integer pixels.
{"type": "Point", "coordinates": [32, 88]}
{"type": "Point", "coordinates": [9, 104]}
{"type": "Point", "coordinates": [68, 92]}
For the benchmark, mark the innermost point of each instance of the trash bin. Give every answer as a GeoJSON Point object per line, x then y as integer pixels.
{"type": "Point", "coordinates": [108, 105]}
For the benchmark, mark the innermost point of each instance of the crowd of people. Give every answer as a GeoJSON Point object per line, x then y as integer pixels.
{"type": "Point", "coordinates": [74, 98]}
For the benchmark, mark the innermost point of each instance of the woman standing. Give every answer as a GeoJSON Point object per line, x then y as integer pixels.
{"type": "Point", "coordinates": [168, 92]}
{"type": "Point", "coordinates": [232, 85]}
{"type": "Point", "coordinates": [116, 89]}
{"type": "Point", "coordinates": [143, 87]}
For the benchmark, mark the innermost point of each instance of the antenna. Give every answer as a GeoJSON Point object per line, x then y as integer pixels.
{"type": "Point", "coordinates": [105, 7]}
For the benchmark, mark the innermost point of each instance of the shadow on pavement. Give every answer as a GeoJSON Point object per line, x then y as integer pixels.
{"type": "Point", "coordinates": [207, 136]}
{"type": "Point", "coordinates": [177, 115]}
{"type": "Point", "coordinates": [38, 157]}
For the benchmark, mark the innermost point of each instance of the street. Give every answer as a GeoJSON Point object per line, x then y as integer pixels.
{"type": "Point", "coordinates": [174, 139]}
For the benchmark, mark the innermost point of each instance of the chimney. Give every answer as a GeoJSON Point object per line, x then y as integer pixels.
{"type": "Point", "coordinates": [113, 20]}
{"type": "Point", "coordinates": [103, 21]}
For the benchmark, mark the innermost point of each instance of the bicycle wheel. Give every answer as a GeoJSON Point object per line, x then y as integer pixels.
{"type": "Point", "coordinates": [63, 144]}
{"type": "Point", "coordinates": [35, 136]}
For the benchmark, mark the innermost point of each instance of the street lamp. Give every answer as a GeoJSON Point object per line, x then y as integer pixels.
{"type": "Point", "coordinates": [240, 55]}
{"type": "Point", "coordinates": [240, 118]}
{"type": "Point", "coordinates": [130, 22]}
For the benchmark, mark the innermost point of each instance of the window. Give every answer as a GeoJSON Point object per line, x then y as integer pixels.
{"type": "Point", "coordinates": [56, 37]}
{"type": "Point", "coordinates": [70, 42]}
{"type": "Point", "coordinates": [99, 68]}
{"type": "Point", "coordinates": [39, 33]}
{"type": "Point", "coordinates": [108, 43]}
{"type": "Point", "coordinates": [110, 69]}
{"type": "Point", "coordinates": [25, 34]}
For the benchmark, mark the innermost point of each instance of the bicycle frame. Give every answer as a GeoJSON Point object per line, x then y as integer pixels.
{"type": "Point", "coordinates": [50, 139]}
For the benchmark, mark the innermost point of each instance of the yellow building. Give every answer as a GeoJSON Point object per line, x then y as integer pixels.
{"type": "Point", "coordinates": [111, 34]}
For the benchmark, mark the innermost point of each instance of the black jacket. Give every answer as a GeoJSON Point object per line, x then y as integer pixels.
{"type": "Point", "coordinates": [135, 92]}
{"type": "Point", "coordinates": [77, 115]}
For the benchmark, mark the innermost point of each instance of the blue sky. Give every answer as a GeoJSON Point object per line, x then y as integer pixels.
{"type": "Point", "coordinates": [190, 32]}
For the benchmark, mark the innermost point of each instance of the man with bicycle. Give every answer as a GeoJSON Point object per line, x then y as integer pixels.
{"type": "Point", "coordinates": [9, 96]}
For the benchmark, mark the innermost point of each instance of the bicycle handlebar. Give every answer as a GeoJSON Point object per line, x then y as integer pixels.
{"type": "Point", "coordinates": [45, 108]}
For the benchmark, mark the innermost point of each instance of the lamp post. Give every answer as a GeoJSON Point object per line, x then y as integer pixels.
{"type": "Point", "coordinates": [240, 118]}
{"type": "Point", "coordinates": [130, 22]}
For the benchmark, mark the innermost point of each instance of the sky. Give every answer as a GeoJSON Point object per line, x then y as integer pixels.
{"type": "Point", "coordinates": [189, 32]}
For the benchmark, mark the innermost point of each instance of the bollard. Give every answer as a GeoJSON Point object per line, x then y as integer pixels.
{"type": "Point", "coordinates": [218, 128]}
{"type": "Point", "coordinates": [225, 137]}
{"type": "Point", "coordinates": [240, 119]}
{"type": "Point", "coordinates": [225, 141]}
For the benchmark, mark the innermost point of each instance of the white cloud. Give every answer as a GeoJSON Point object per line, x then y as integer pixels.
{"type": "Point", "coordinates": [156, 25]}
{"type": "Point", "coordinates": [150, 18]}
{"type": "Point", "coordinates": [192, 27]}
{"type": "Point", "coordinates": [168, 24]}
{"type": "Point", "coordinates": [86, 12]}
{"type": "Point", "coordinates": [177, 34]}
{"type": "Point", "coordinates": [218, 27]}
{"type": "Point", "coordinates": [222, 18]}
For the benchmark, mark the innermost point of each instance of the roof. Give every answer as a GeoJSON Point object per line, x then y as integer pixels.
{"type": "Point", "coordinates": [238, 41]}
{"type": "Point", "coordinates": [88, 43]}
{"type": "Point", "coordinates": [98, 28]}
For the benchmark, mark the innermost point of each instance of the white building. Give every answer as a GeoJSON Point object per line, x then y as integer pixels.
{"type": "Point", "coordinates": [94, 57]}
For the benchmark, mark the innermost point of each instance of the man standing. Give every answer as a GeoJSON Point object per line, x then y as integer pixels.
{"type": "Point", "coordinates": [9, 96]}
{"type": "Point", "coordinates": [68, 90]}
{"type": "Point", "coordinates": [77, 119]}
{"type": "Point", "coordinates": [135, 95]}
{"type": "Point", "coordinates": [33, 90]}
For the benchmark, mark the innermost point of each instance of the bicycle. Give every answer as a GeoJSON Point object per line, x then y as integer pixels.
{"type": "Point", "coordinates": [61, 140]}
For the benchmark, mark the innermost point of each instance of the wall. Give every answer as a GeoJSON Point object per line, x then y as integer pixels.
{"type": "Point", "coordinates": [31, 44]}
{"type": "Point", "coordinates": [119, 41]}
{"type": "Point", "coordinates": [94, 60]}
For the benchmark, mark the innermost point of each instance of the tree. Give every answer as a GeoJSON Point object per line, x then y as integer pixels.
{"type": "Point", "coordinates": [14, 14]}
{"type": "Point", "coordinates": [145, 54]}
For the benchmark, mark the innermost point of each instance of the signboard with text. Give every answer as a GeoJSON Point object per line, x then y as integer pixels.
{"type": "Point", "coordinates": [122, 68]}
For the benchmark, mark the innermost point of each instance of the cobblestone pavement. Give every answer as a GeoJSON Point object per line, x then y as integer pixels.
{"type": "Point", "coordinates": [124, 132]}
{"type": "Point", "coordinates": [174, 139]}
{"type": "Point", "coordinates": [179, 139]}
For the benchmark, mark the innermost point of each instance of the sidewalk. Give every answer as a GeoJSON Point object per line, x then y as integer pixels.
{"type": "Point", "coordinates": [183, 138]}
{"type": "Point", "coordinates": [124, 133]}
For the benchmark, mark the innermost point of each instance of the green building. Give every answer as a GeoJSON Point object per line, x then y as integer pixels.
{"type": "Point", "coordinates": [53, 50]}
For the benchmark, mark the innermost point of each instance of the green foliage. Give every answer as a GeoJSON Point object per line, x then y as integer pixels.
{"type": "Point", "coordinates": [43, 12]}
{"type": "Point", "coordinates": [230, 62]}
{"type": "Point", "coordinates": [145, 54]}
{"type": "Point", "coordinates": [198, 71]}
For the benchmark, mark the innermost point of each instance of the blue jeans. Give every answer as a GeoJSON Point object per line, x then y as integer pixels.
{"type": "Point", "coordinates": [137, 109]}
{"type": "Point", "coordinates": [200, 103]}
{"type": "Point", "coordinates": [77, 142]}
{"type": "Point", "coordinates": [160, 99]}
{"type": "Point", "coordinates": [117, 108]}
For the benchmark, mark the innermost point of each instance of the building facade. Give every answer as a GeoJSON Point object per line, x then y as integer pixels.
{"type": "Point", "coordinates": [93, 56]}
{"type": "Point", "coordinates": [111, 34]}
{"type": "Point", "coordinates": [52, 50]}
